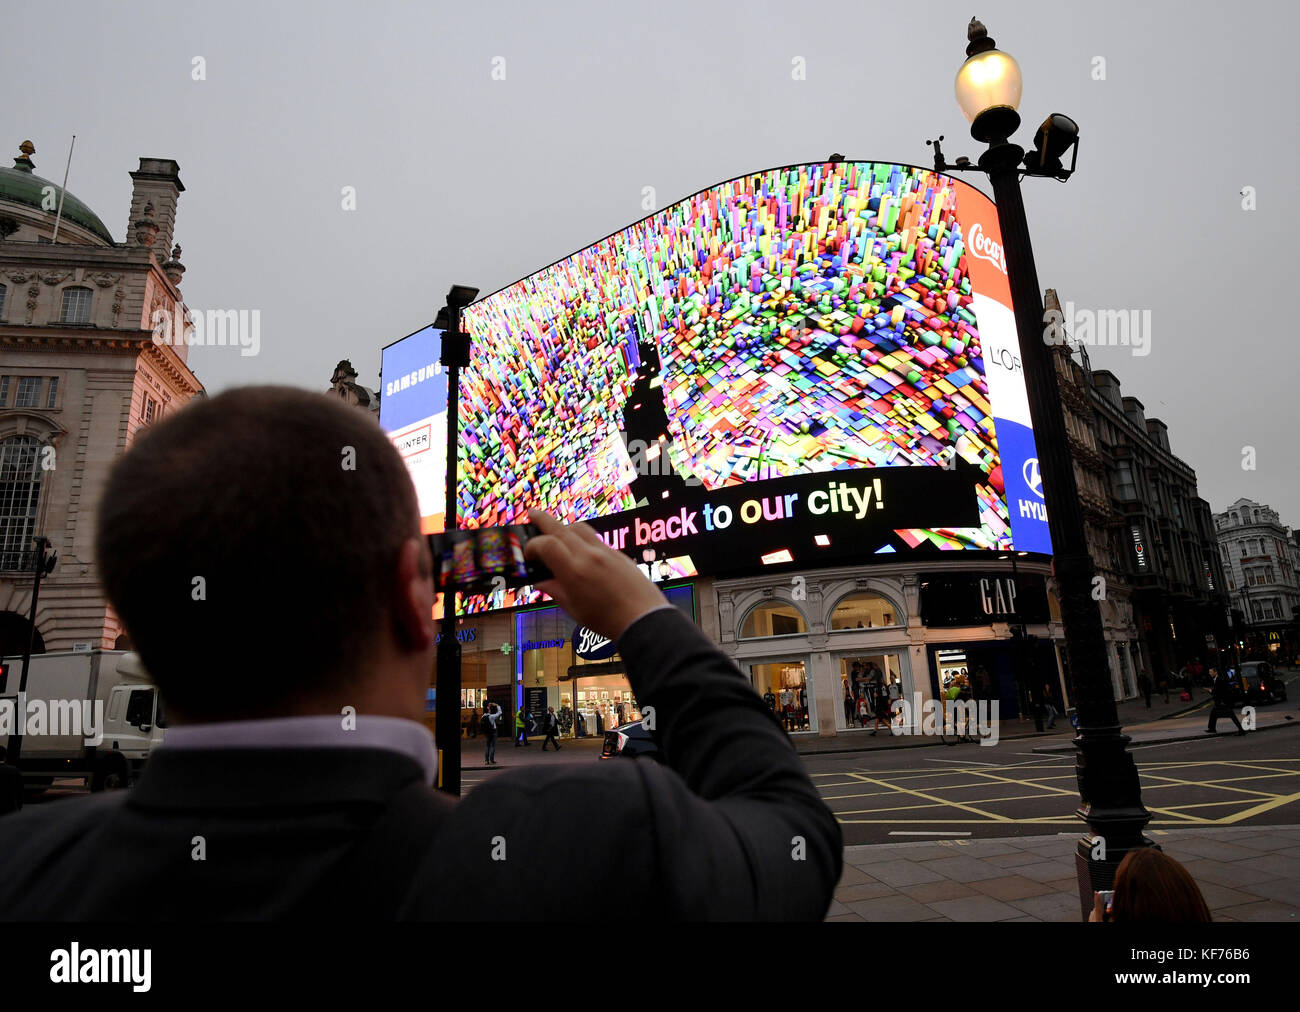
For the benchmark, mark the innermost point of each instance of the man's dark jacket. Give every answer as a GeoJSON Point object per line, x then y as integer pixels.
{"type": "Point", "coordinates": [730, 828]}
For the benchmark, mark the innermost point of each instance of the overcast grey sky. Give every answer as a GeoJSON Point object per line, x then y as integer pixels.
{"type": "Point", "coordinates": [463, 178]}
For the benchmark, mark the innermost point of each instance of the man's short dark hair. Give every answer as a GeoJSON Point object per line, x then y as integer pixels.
{"type": "Point", "coordinates": [249, 543]}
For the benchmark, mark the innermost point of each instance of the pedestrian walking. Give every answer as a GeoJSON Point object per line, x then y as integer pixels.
{"type": "Point", "coordinates": [1144, 686]}
{"type": "Point", "coordinates": [521, 728]}
{"type": "Point", "coordinates": [1225, 701]}
{"type": "Point", "coordinates": [488, 725]}
{"type": "Point", "coordinates": [880, 707]}
{"type": "Point", "coordinates": [551, 724]}
{"type": "Point", "coordinates": [1049, 705]}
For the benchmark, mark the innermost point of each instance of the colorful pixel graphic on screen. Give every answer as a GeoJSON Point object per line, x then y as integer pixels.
{"type": "Point", "coordinates": [817, 317]}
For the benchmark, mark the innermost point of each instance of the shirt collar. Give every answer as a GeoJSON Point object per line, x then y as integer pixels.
{"type": "Point", "coordinates": [396, 734]}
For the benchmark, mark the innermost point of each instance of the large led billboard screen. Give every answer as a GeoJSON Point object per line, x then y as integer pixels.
{"type": "Point", "coordinates": [808, 365]}
{"type": "Point", "coordinates": [413, 411]}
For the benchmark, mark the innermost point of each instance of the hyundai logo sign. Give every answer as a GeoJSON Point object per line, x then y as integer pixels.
{"type": "Point", "coordinates": [1033, 477]}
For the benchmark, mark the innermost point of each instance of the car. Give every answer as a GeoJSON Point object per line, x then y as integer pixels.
{"type": "Point", "coordinates": [633, 740]}
{"type": "Point", "coordinates": [1261, 684]}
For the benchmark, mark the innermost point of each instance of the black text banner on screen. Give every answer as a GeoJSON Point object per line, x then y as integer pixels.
{"type": "Point", "coordinates": [845, 513]}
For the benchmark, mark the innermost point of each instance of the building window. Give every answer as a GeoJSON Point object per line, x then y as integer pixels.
{"type": "Point", "coordinates": [29, 388]}
{"type": "Point", "coordinates": [4, 390]}
{"type": "Point", "coordinates": [1125, 488]}
{"type": "Point", "coordinates": [76, 306]}
{"type": "Point", "coordinates": [773, 620]}
{"type": "Point", "coordinates": [53, 395]}
{"type": "Point", "coordinates": [20, 494]}
{"type": "Point", "coordinates": [863, 611]}
{"type": "Point", "coordinates": [148, 410]}
{"type": "Point", "coordinates": [3, 291]}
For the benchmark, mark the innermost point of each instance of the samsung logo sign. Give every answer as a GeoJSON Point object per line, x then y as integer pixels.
{"type": "Point", "coordinates": [410, 379]}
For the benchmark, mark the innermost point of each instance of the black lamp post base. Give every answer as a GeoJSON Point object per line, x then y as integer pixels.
{"type": "Point", "coordinates": [1098, 874]}
{"type": "Point", "coordinates": [1111, 792]}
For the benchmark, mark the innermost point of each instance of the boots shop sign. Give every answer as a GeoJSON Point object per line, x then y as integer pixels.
{"type": "Point", "coordinates": [591, 645]}
{"type": "Point", "coordinates": [955, 599]}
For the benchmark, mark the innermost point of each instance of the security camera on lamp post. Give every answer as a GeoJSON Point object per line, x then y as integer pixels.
{"type": "Point", "coordinates": [988, 90]}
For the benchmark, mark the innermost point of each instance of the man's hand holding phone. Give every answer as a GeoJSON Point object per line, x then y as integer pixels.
{"type": "Point", "coordinates": [599, 587]}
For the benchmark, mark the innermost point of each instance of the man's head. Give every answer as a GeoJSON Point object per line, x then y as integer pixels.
{"type": "Point", "coordinates": [262, 548]}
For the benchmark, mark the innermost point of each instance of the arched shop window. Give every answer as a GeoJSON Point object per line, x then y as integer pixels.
{"type": "Point", "coordinates": [863, 611]}
{"type": "Point", "coordinates": [773, 620]}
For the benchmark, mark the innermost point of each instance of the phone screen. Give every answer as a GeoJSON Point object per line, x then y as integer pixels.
{"type": "Point", "coordinates": [484, 560]}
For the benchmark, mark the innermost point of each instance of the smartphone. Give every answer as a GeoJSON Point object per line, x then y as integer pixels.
{"type": "Point", "coordinates": [484, 560]}
{"type": "Point", "coordinates": [1107, 899]}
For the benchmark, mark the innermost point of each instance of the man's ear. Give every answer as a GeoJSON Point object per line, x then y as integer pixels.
{"type": "Point", "coordinates": [413, 597]}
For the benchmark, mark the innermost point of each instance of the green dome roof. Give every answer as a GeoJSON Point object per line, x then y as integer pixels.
{"type": "Point", "coordinates": [22, 186]}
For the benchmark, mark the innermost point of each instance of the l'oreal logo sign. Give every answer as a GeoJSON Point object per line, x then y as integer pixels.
{"type": "Point", "coordinates": [591, 645]}
{"type": "Point", "coordinates": [984, 248]}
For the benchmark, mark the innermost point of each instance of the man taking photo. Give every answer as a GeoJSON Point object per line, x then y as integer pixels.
{"type": "Point", "coordinates": [263, 551]}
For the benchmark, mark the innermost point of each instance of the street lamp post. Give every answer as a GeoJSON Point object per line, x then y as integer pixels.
{"type": "Point", "coordinates": [42, 565]}
{"type": "Point", "coordinates": [988, 91]}
{"type": "Point", "coordinates": [455, 356]}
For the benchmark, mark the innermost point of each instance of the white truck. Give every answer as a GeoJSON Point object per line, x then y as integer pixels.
{"type": "Point", "coordinates": [90, 715]}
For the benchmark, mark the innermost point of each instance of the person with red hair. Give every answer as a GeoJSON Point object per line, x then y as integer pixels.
{"type": "Point", "coordinates": [1151, 887]}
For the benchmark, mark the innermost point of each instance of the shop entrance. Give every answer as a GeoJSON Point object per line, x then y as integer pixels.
{"type": "Point", "coordinates": [784, 688]}
{"type": "Point", "coordinates": [595, 698]}
{"type": "Point", "coordinates": [870, 684]}
{"type": "Point", "coordinates": [1016, 675]}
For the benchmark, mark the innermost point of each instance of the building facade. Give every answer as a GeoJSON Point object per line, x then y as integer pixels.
{"type": "Point", "coordinates": [1262, 565]}
{"type": "Point", "coordinates": [1102, 519]}
{"type": "Point", "coordinates": [1164, 598]}
{"type": "Point", "coordinates": [344, 385]}
{"type": "Point", "coordinates": [80, 374]}
{"type": "Point", "coordinates": [797, 636]}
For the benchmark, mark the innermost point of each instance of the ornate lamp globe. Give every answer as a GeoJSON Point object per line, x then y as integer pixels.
{"type": "Point", "coordinates": [988, 87]}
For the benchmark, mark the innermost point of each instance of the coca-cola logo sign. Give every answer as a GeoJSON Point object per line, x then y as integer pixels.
{"type": "Point", "coordinates": [591, 645]}
{"type": "Point", "coordinates": [984, 248]}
